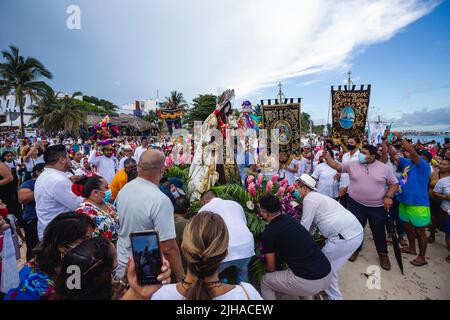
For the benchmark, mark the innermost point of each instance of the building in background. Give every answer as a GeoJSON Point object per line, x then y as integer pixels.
{"type": "Point", "coordinates": [140, 107]}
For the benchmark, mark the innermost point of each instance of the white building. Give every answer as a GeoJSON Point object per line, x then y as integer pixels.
{"type": "Point", "coordinates": [139, 107]}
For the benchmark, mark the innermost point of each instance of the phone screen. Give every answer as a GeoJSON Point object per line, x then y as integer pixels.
{"type": "Point", "coordinates": [146, 255]}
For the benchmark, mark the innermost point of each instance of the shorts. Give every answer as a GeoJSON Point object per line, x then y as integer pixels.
{"type": "Point", "coordinates": [418, 216]}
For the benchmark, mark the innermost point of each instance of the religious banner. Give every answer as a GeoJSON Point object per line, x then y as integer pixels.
{"type": "Point", "coordinates": [349, 110]}
{"type": "Point", "coordinates": [285, 115]}
{"type": "Point", "coordinates": [376, 131]}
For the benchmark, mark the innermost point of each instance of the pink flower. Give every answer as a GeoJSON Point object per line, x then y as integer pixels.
{"type": "Point", "coordinates": [260, 179]}
{"type": "Point", "coordinates": [275, 178]}
{"type": "Point", "coordinates": [284, 182]}
{"type": "Point", "coordinates": [269, 187]}
{"type": "Point", "coordinates": [252, 189]}
{"type": "Point", "coordinates": [250, 179]}
{"type": "Point", "coordinates": [290, 189]}
{"type": "Point", "coordinates": [280, 191]}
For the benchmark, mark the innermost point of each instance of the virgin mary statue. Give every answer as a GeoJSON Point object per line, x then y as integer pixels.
{"type": "Point", "coordinates": [212, 162]}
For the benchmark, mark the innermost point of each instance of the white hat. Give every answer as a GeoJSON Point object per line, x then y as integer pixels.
{"type": "Point", "coordinates": [308, 181]}
{"type": "Point", "coordinates": [127, 147]}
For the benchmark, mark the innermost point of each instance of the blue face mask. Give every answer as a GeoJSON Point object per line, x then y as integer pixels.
{"type": "Point", "coordinates": [108, 195]}
{"type": "Point", "coordinates": [297, 195]}
{"type": "Point", "coordinates": [362, 158]}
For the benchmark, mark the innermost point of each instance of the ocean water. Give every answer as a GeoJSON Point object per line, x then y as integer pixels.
{"type": "Point", "coordinates": [440, 139]}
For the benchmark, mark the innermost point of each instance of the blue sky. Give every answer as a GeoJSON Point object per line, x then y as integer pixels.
{"type": "Point", "coordinates": [127, 50]}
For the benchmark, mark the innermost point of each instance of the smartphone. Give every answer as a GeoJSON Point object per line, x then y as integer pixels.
{"type": "Point", "coordinates": [146, 255]}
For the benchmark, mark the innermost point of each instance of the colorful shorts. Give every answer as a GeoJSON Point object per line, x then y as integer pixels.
{"type": "Point", "coordinates": [418, 216]}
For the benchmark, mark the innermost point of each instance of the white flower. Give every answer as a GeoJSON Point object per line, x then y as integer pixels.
{"type": "Point", "coordinates": [250, 205]}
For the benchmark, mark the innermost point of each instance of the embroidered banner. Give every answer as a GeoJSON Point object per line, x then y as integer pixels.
{"type": "Point", "coordinates": [349, 109]}
{"type": "Point", "coordinates": [285, 117]}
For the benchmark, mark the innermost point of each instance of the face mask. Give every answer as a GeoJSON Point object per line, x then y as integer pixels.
{"type": "Point", "coordinates": [362, 158]}
{"type": "Point", "coordinates": [176, 194]}
{"type": "Point", "coordinates": [351, 147]}
{"type": "Point", "coordinates": [108, 195]}
{"type": "Point", "coordinates": [297, 195]}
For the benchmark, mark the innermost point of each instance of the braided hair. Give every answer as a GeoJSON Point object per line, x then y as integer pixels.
{"type": "Point", "coordinates": [204, 246]}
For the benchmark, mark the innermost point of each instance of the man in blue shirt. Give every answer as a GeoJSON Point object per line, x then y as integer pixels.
{"type": "Point", "coordinates": [414, 208]}
{"type": "Point", "coordinates": [26, 197]}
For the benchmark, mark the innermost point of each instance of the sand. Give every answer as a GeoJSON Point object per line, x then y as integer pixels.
{"type": "Point", "coordinates": [418, 283]}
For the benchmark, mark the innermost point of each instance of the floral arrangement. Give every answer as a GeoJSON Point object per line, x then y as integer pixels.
{"type": "Point", "coordinates": [257, 188]}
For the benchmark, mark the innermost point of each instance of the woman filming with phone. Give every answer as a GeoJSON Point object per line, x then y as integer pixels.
{"type": "Point", "coordinates": [204, 246]}
{"type": "Point", "coordinates": [96, 259]}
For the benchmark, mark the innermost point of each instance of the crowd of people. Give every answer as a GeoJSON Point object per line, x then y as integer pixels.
{"type": "Point", "coordinates": [74, 202]}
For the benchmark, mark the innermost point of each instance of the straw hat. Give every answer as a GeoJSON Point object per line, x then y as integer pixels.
{"type": "Point", "coordinates": [308, 181]}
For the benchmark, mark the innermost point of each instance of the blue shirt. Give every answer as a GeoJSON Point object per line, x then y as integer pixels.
{"type": "Point", "coordinates": [413, 183]}
{"type": "Point", "coordinates": [30, 208]}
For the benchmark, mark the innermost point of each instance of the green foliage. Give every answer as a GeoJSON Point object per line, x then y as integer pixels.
{"type": "Point", "coordinates": [176, 100]}
{"type": "Point", "coordinates": [178, 172]}
{"type": "Point", "coordinates": [54, 114]}
{"type": "Point", "coordinates": [19, 77]}
{"type": "Point", "coordinates": [104, 106]}
{"type": "Point", "coordinates": [202, 107]}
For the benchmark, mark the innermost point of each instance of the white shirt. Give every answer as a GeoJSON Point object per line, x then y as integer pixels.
{"type": "Point", "coordinates": [53, 195]}
{"type": "Point", "coordinates": [29, 165]}
{"type": "Point", "coordinates": [137, 153]}
{"type": "Point", "coordinates": [122, 161]}
{"type": "Point", "coordinates": [443, 186]}
{"type": "Point", "coordinates": [142, 206]}
{"type": "Point", "coordinates": [170, 292]}
{"type": "Point", "coordinates": [330, 217]}
{"type": "Point", "coordinates": [290, 175]}
{"type": "Point", "coordinates": [347, 157]}
{"type": "Point", "coordinates": [326, 183]}
{"type": "Point", "coordinates": [106, 167]}
{"type": "Point", "coordinates": [241, 243]}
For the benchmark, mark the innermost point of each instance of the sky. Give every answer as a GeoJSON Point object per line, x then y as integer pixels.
{"type": "Point", "coordinates": [130, 50]}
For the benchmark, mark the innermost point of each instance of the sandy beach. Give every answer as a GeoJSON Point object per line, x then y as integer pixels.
{"type": "Point", "coordinates": [418, 283]}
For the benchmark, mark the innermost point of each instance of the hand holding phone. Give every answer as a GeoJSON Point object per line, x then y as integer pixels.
{"type": "Point", "coordinates": [147, 256]}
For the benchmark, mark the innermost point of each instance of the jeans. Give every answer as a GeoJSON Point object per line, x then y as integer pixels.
{"type": "Point", "coordinates": [377, 217]}
{"type": "Point", "coordinates": [241, 266]}
{"type": "Point", "coordinates": [31, 236]}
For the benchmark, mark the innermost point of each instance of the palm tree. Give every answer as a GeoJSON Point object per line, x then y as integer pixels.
{"type": "Point", "coordinates": [19, 77]}
{"type": "Point", "coordinates": [54, 114]}
{"type": "Point", "coordinates": [176, 100]}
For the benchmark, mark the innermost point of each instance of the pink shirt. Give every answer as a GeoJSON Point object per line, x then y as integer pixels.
{"type": "Point", "coordinates": [368, 182]}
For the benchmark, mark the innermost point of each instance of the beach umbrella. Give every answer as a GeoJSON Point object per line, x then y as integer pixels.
{"type": "Point", "coordinates": [395, 245]}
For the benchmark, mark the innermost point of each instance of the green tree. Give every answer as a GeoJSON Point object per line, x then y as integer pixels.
{"type": "Point", "coordinates": [104, 106]}
{"type": "Point", "coordinates": [305, 122]}
{"type": "Point", "coordinates": [19, 77]}
{"type": "Point", "coordinates": [202, 106]}
{"type": "Point", "coordinates": [152, 117]}
{"type": "Point", "coordinates": [176, 100]}
{"type": "Point", "coordinates": [54, 114]}
{"type": "Point", "coordinates": [257, 110]}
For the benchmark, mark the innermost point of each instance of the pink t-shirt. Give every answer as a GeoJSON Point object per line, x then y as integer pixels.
{"type": "Point", "coordinates": [368, 182]}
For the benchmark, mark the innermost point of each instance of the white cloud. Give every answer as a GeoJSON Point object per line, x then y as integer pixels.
{"type": "Point", "coordinates": [201, 46]}
{"type": "Point", "coordinates": [265, 41]}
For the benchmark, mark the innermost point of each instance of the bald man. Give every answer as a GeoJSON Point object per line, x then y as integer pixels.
{"type": "Point", "coordinates": [142, 206]}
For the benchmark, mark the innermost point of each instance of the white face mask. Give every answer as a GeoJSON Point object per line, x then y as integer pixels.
{"type": "Point", "coordinates": [175, 194]}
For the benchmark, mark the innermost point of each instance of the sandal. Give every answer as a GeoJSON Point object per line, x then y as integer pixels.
{"type": "Point", "coordinates": [418, 263]}
{"type": "Point", "coordinates": [403, 242]}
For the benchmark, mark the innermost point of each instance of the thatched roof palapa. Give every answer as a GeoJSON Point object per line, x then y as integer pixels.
{"type": "Point", "coordinates": [122, 120]}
